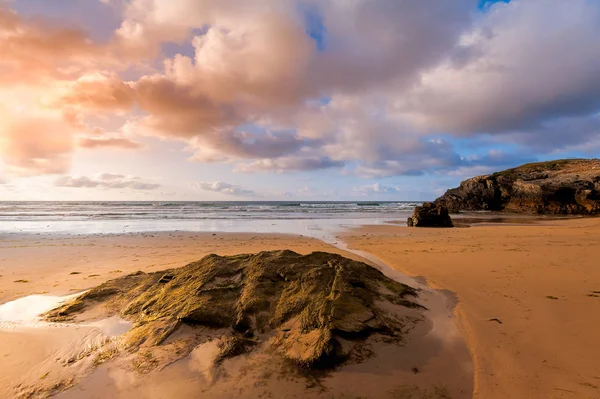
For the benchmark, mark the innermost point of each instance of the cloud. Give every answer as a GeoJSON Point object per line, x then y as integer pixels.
{"type": "Point", "coordinates": [253, 63]}
{"type": "Point", "coordinates": [108, 142]}
{"type": "Point", "coordinates": [287, 164]}
{"type": "Point", "coordinates": [378, 188]}
{"type": "Point", "coordinates": [524, 64]}
{"type": "Point", "coordinates": [35, 145]}
{"type": "Point", "coordinates": [106, 181]}
{"type": "Point", "coordinates": [99, 92]}
{"type": "Point", "coordinates": [368, 88]}
{"type": "Point", "coordinates": [40, 61]}
{"type": "Point", "coordinates": [226, 188]}
{"type": "Point", "coordinates": [34, 50]}
{"type": "Point", "coordinates": [566, 134]}
{"type": "Point", "coordinates": [496, 158]}
{"type": "Point", "coordinates": [308, 190]}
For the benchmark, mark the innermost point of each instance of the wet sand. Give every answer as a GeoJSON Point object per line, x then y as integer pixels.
{"type": "Point", "coordinates": [529, 299]}
{"type": "Point", "coordinates": [431, 363]}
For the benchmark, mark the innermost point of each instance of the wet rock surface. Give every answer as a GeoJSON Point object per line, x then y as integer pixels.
{"type": "Point", "coordinates": [306, 307]}
{"type": "Point", "coordinates": [567, 187]}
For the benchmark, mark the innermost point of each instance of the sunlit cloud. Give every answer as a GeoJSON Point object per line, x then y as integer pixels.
{"type": "Point", "coordinates": [108, 142]}
{"type": "Point", "coordinates": [106, 181]}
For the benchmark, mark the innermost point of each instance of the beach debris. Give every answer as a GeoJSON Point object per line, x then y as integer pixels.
{"type": "Point", "coordinates": [496, 320]}
{"type": "Point", "coordinates": [306, 307]}
{"type": "Point", "coordinates": [430, 215]}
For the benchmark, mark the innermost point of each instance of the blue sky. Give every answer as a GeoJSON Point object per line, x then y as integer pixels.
{"type": "Point", "coordinates": [294, 99]}
{"type": "Point", "coordinates": [485, 5]}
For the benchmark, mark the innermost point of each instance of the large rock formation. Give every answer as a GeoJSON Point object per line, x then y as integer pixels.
{"type": "Point", "coordinates": [570, 187]}
{"type": "Point", "coordinates": [306, 307]}
{"type": "Point", "coordinates": [430, 215]}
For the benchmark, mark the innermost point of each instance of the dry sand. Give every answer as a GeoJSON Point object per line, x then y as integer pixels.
{"type": "Point", "coordinates": [529, 299]}
{"type": "Point", "coordinates": [62, 265]}
{"type": "Point", "coordinates": [59, 265]}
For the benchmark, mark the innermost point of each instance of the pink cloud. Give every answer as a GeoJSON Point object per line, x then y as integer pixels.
{"type": "Point", "coordinates": [36, 146]}
{"type": "Point", "coordinates": [109, 142]}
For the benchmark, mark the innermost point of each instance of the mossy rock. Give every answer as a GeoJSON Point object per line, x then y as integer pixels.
{"type": "Point", "coordinates": [301, 303]}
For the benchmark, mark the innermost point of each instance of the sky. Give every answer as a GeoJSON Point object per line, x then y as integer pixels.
{"type": "Point", "coordinates": [289, 99]}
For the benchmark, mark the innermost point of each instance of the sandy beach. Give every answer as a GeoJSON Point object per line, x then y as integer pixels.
{"type": "Point", "coordinates": [338, 199]}
{"type": "Point", "coordinates": [55, 265]}
{"type": "Point", "coordinates": [527, 295]}
{"type": "Point", "coordinates": [528, 299]}
{"type": "Point", "coordinates": [63, 265]}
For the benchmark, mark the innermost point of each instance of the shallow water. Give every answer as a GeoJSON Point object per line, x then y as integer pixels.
{"type": "Point", "coordinates": [26, 311]}
{"type": "Point", "coordinates": [317, 228]}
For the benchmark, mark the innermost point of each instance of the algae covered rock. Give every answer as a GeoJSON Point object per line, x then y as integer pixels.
{"type": "Point", "coordinates": [301, 305]}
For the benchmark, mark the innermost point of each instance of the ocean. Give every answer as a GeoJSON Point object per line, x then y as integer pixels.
{"type": "Point", "coordinates": [228, 216]}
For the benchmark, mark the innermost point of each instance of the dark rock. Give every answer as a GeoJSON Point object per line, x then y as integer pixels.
{"type": "Point", "coordinates": [569, 187]}
{"type": "Point", "coordinates": [430, 215]}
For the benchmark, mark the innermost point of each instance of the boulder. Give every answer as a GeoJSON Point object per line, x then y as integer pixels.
{"type": "Point", "coordinates": [568, 187]}
{"type": "Point", "coordinates": [302, 306]}
{"type": "Point", "coordinates": [430, 215]}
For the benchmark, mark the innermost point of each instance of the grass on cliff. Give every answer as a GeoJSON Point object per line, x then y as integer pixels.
{"type": "Point", "coordinates": [540, 167]}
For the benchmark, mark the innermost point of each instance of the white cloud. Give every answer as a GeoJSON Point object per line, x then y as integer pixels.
{"type": "Point", "coordinates": [225, 188]}
{"type": "Point", "coordinates": [106, 181]}
{"type": "Point", "coordinates": [378, 188]}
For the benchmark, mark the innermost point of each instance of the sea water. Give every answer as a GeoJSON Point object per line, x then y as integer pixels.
{"type": "Point", "coordinates": [315, 219]}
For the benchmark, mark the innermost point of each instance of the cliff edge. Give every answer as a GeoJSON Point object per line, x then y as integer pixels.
{"type": "Point", "coordinates": [567, 187]}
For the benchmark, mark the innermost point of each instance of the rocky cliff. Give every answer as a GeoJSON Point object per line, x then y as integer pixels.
{"type": "Point", "coordinates": [569, 187]}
